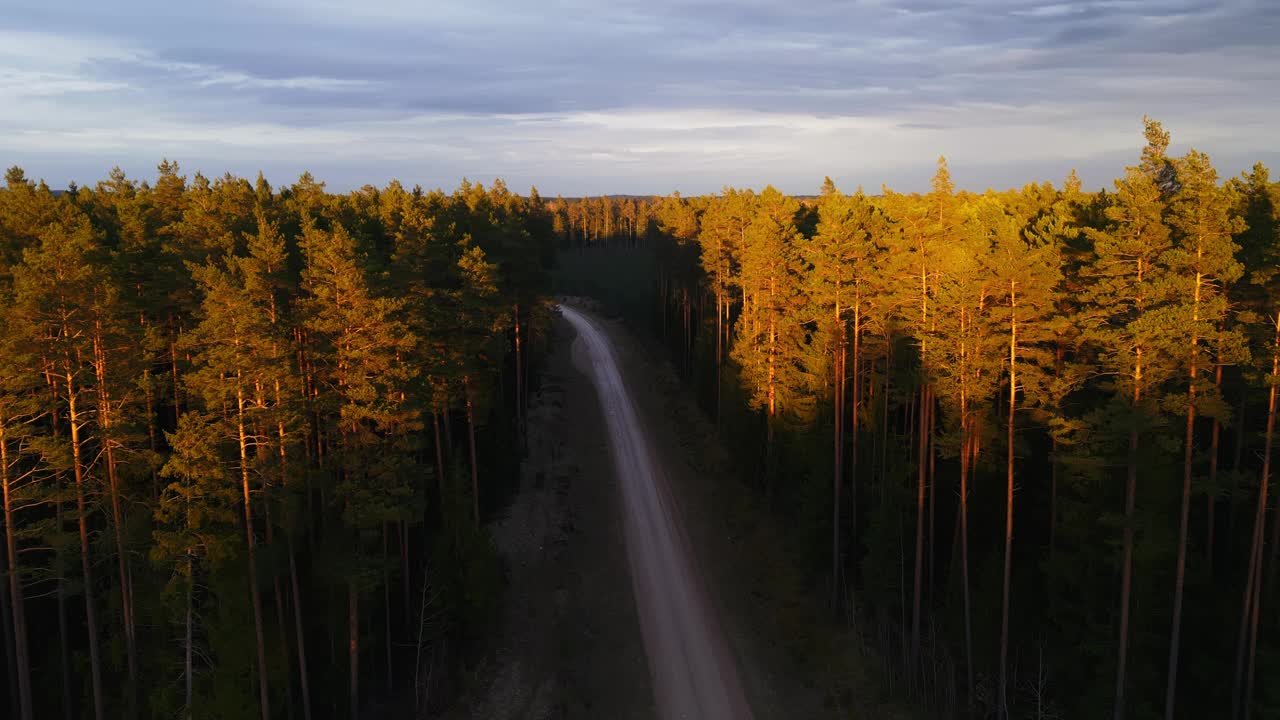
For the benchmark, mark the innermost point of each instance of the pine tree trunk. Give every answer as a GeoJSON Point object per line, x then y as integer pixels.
{"type": "Point", "coordinates": [353, 648]}
{"type": "Point", "coordinates": [406, 576]}
{"type": "Point", "coordinates": [86, 566]}
{"type": "Point", "coordinates": [149, 394]}
{"type": "Point", "coordinates": [1053, 468]}
{"type": "Point", "coordinates": [60, 585]}
{"type": "Point", "coordinates": [884, 421]}
{"type": "Point", "coordinates": [64, 650]}
{"type": "Point", "coordinates": [931, 563]}
{"type": "Point", "coordinates": [520, 421]}
{"type": "Point", "coordinates": [1247, 603]}
{"type": "Point", "coordinates": [720, 309]}
{"type": "Point", "coordinates": [1214, 445]}
{"type": "Point", "coordinates": [6, 632]}
{"type": "Point", "coordinates": [965, 467]}
{"type": "Point", "coordinates": [853, 459]}
{"type": "Point", "coordinates": [837, 411]}
{"type": "Point", "coordinates": [283, 449]}
{"type": "Point", "coordinates": [386, 609]}
{"type": "Point", "coordinates": [1126, 562]}
{"type": "Point", "coordinates": [435, 426]}
{"type": "Point", "coordinates": [22, 658]}
{"type": "Point", "coordinates": [1175, 634]}
{"type": "Point", "coordinates": [303, 676]}
{"type": "Point", "coordinates": [1003, 698]}
{"type": "Point", "coordinates": [177, 387]}
{"type": "Point", "coordinates": [105, 424]}
{"type": "Point", "coordinates": [264, 696]}
{"type": "Point", "coordinates": [1242, 702]}
{"type": "Point", "coordinates": [188, 641]}
{"type": "Point", "coordinates": [963, 510]}
{"type": "Point", "coordinates": [771, 358]}
{"type": "Point", "coordinates": [471, 444]}
{"type": "Point", "coordinates": [1237, 457]}
{"type": "Point", "coordinates": [921, 478]}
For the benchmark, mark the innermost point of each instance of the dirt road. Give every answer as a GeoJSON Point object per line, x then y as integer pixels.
{"type": "Point", "coordinates": [694, 674]}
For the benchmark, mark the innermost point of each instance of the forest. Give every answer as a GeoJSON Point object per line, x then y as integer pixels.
{"type": "Point", "coordinates": [249, 437]}
{"type": "Point", "coordinates": [1024, 439]}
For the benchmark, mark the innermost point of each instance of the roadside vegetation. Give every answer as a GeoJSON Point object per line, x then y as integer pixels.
{"type": "Point", "coordinates": [1022, 440]}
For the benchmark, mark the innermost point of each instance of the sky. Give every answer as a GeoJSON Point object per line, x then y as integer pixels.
{"type": "Point", "coordinates": [619, 96]}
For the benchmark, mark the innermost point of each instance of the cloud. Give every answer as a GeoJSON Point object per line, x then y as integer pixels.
{"type": "Point", "coordinates": [635, 95]}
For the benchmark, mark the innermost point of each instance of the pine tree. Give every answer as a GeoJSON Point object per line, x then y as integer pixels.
{"type": "Point", "coordinates": [1128, 286]}
{"type": "Point", "coordinates": [766, 348]}
{"type": "Point", "coordinates": [1201, 262]}
{"type": "Point", "coordinates": [837, 262]}
{"type": "Point", "coordinates": [928, 229]}
{"type": "Point", "coordinates": [963, 351]}
{"type": "Point", "coordinates": [195, 524]}
{"type": "Point", "coordinates": [236, 357]}
{"type": "Point", "coordinates": [18, 410]}
{"type": "Point", "coordinates": [55, 287]}
{"type": "Point", "coordinates": [362, 341]}
{"type": "Point", "coordinates": [722, 233]}
{"type": "Point", "coordinates": [1261, 245]}
{"type": "Point", "coordinates": [1025, 274]}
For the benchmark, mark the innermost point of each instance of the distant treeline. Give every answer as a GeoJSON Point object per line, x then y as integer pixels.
{"type": "Point", "coordinates": [248, 437]}
{"type": "Point", "coordinates": [1026, 436]}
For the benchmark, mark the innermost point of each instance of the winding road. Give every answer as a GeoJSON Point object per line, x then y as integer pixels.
{"type": "Point", "coordinates": [694, 674]}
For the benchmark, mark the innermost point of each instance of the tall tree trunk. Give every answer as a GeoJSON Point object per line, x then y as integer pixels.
{"type": "Point", "coordinates": [853, 458]}
{"type": "Point", "coordinates": [439, 447]}
{"type": "Point", "coordinates": [720, 310]}
{"type": "Point", "coordinates": [281, 598]}
{"type": "Point", "coordinates": [386, 609]}
{"type": "Point", "coordinates": [405, 574]}
{"type": "Point", "coordinates": [6, 636]}
{"type": "Point", "coordinates": [64, 650]}
{"type": "Point", "coordinates": [1126, 562]}
{"type": "Point", "coordinates": [188, 641]}
{"type": "Point", "coordinates": [282, 448]}
{"type": "Point", "coordinates": [965, 467]}
{"type": "Point", "coordinates": [1237, 457]}
{"type": "Point", "coordinates": [1214, 445]}
{"type": "Point", "coordinates": [60, 586]}
{"type": "Point", "coordinates": [86, 566]}
{"type": "Point", "coordinates": [1242, 702]}
{"type": "Point", "coordinates": [17, 605]}
{"type": "Point", "coordinates": [963, 526]}
{"type": "Point", "coordinates": [303, 676]}
{"type": "Point", "coordinates": [149, 395]}
{"type": "Point", "coordinates": [520, 420]}
{"type": "Point", "coordinates": [772, 377]}
{"type": "Point", "coordinates": [173, 366]}
{"type": "Point", "coordinates": [264, 696]}
{"type": "Point", "coordinates": [837, 411]}
{"type": "Point", "coordinates": [1175, 634]}
{"type": "Point", "coordinates": [1053, 467]}
{"type": "Point", "coordinates": [1247, 603]}
{"type": "Point", "coordinates": [105, 425]}
{"type": "Point", "coordinates": [471, 445]}
{"type": "Point", "coordinates": [353, 648]}
{"type": "Point", "coordinates": [1008, 501]}
{"type": "Point", "coordinates": [931, 562]}
{"type": "Point", "coordinates": [922, 468]}
{"type": "Point", "coordinates": [884, 421]}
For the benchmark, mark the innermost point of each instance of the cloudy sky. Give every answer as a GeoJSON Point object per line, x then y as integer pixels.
{"type": "Point", "coordinates": [624, 96]}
